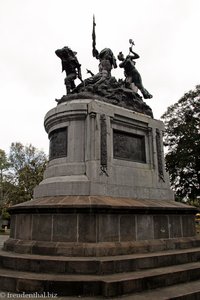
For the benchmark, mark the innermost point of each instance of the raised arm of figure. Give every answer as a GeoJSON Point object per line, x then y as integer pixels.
{"type": "Point", "coordinates": [135, 55]}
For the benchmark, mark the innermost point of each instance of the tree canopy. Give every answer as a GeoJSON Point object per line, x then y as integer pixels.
{"type": "Point", "coordinates": [182, 139]}
{"type": "Point", "coordinates": [20, 171]}
{"type": "Point", "coordinates": [4, 165]}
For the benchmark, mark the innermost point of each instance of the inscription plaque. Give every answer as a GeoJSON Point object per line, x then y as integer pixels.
{"type": "Point", "coordinates": [58, 143]}
{"type": "Point", "coordinates": [129, 146]}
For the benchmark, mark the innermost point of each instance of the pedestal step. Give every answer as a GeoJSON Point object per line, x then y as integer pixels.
{"type": "Point", "coordinates": [119, 284]}
{"type": "Point", "coordinates": [97, 265]}
{"type": "Point", "coordinates": [106, 285]}
{"type": "Point", "coordinates": [183, 291]}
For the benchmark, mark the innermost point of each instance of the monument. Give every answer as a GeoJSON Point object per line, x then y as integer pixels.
{"type": "Point", "coordinates": [105, 196]}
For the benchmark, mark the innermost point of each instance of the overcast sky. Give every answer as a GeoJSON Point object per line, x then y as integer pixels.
{"type": "Point", "coordinates": [166, 35]}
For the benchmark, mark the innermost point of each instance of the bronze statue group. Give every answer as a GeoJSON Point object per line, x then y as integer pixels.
{"type": "Point", "coordinates": [107, 62]}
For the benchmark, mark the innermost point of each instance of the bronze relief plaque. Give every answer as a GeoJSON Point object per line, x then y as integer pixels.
{"type": "Point", "coordinates": [129, 146]}
{"type": "Point", "coordinates": [58, 143]}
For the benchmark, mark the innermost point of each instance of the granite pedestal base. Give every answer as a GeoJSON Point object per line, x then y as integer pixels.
{"type": "Point", "coordinates": [97, 226]}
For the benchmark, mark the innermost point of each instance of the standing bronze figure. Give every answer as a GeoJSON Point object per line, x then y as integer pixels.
{"type": "Point", "coordinates": [106, 57]}
{"type": "Point", "coordinates": [133, 77]}
{"type": "Point", "coordinates": [71, 66]}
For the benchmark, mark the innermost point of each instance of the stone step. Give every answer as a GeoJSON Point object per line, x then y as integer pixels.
{"type": "Point", "coordinates": [105, 285]}
{"type": "Point", "coordinates": [98, 249]}
{"type": "Point", "coordinates": [119, 284]}
{"type": "Point", "coordinates": [183, 291]}
{"type": "Point", "coordinates": [97, 265]}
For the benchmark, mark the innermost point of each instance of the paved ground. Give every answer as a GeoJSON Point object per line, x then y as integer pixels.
{"type": "Point", "coordinates": [3, 238]}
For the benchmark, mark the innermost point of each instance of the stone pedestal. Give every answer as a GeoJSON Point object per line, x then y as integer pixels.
{"type": "Point", "coordinates": [97, 226]}
{"type": "Point", "coordinates": [102, 149]}
{"type": "Point", "coordinates": [105, 183]}
{"type": "Point", "coordinates": [104, 207]}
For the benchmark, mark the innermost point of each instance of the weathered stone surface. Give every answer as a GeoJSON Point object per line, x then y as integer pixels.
{"type": "Point", "coordinates": [98, 265]}
{"type": "Point", "coordinates": [145, 227]}
{"type": "Point", "coordinates": [24, 222]}
{"type": "Point", "coordinates": [12, 226]}
{"type": "Point", "coordinates": [99, 249]}
{"type": "Point", "coordinates": [127, 228]}
{"type": "Point", "coordinates": [161, 227]}
{"type": "Point", "coordinates": [94, 164]}
{"type": "Point", "coordinates": [59, 203]}
{"type": "Point", "coordinates": [175, 226]}
{"type": "Point", "coordinates": [108, 229]}
{"type": "Point", "coordinates": [106, 284]}
{"type": "Point", "coordinates": [79, 223]}
{"type": "Point", "coordinates": [87, 226]}
{"type": "Point", "coordinates": [64, 228]}
{"type": "Point", "coordinates": [41, 229]}
{"type": "Point", "coordinates": [188, 225]}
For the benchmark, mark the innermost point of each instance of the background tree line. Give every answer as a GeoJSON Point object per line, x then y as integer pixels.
{"type": "Point", "coordinates": [182, 139]}
{"type": "Point", "coordinates": [20, 171]}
